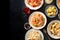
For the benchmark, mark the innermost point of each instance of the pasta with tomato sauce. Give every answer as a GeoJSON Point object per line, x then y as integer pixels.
{"type": "Point", "coordinates": [34, 3]}
{"type": "Point", "coordinates": [37, 20]}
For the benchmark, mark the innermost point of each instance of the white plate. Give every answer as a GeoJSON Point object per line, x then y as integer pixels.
{"type": "Point", "coordinates": [52, 36]}
{"type": "Point", "coordinates": [30, 31]}
{"type": "Point", "coordinates": [34, 8]}
{"type": "Point", "coordinates": [42, 15]}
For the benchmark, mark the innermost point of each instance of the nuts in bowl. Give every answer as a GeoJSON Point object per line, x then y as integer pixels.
{"type": "Point", "coordinates": [53, 29]}
{"type": "Point", "coordinates": [51, 11]}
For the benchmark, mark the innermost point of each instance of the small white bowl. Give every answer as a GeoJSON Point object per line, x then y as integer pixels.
{"type": "Point", "coordinates": [42, 15]}
{"type": "Point", "coordinates": [49, 33]}
{"type": "Point", "coordinates": [51, 16]}
{"type": "Point", "coordinates": [26, 35]}
{"type": "Point", "coordinates": [34, 8]}
{"type": "Point", "coordinates": [48, 2]}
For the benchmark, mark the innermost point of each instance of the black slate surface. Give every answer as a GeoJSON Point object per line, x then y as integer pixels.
{"type": "Point", "coordinates": [17, 18]}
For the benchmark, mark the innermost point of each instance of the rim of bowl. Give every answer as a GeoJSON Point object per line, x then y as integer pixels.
{"type": "Point", "coordinates": [46, 12]}
{"type": "Point", "coordinates": [42, 15]}
{"type": "Point", "coordinates": [52, 36]}
{"type": "Point", "coordinates": [48, 3]}
{"type": "Point", "coordinates": [57, 4]}
{"type": "Point", "coordinates": [34, 8]}
{"type": "Point", "coordinates": [31, 30]}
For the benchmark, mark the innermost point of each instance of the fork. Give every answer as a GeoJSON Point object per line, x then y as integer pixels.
{"type": "Point", "coordinates": [46, 34]}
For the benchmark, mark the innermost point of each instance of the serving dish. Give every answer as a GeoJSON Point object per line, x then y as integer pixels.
{"type": "Point", "coordinates": [34, 34]}
{"type": "Point", "coordinates": [48, 1]}
{"type": "Point", "coordinates": [37, 20]}
{"type": "Point", "coordinates": [51, 11]}
{"type": "Point", "coordinates": [34, 4]}
{"type": "Point", "coordinates": [58, 3]}
{"type": "Point", "coordinates": [53, 29]}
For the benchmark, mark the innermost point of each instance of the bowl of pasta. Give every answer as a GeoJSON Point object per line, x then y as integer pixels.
{"type": "Point", "coordinates": [34, 4]}
{"type": "Point", "coordinates": [34, 34]}
{"type": "Point", "coordinates": [51, 11]}
{"type": "Point", "coordinates": [37, 20]}
{"type": "Point", "coordinates": [53, 29]}
{"type": "Point", "coordinates": [58, 3]}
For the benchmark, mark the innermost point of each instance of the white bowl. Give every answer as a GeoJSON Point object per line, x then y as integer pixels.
{"type": "Point", "coordinates": [48, 1]}
{"type": "Point", "coordinates": [26, 35]}
{"type": "Point", "coordinates": [57, 4]}
{"type": "Point", "coordinates": [51, 16]}
{"type": "Point", "coordinates": [49, 33]}
{"type": "Point", "coordinates": [42, 15]}
{"type": "Point", "coordinates": [34, 8]}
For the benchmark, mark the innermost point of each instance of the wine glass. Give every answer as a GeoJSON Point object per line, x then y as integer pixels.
{"type": "Point", "coordinates": [27, 26]}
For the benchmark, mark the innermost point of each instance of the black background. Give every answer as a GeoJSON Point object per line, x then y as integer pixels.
{"type": "Point", "coordinates": [17, 18]}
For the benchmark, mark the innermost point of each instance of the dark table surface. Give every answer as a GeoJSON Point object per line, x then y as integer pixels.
{"type": "Point", "coordinates": [17, 18]}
